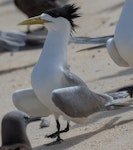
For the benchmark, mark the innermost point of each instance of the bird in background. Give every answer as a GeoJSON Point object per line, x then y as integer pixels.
{"type": "Point", "coordinates": [119, 45]}
{"type": "Point", "coordinates": [17, 41]}
{"type": "Point", "coordinates": [13, 131]}
{"type": "Point", "coordinates": [33, 8]}
{"type": "Point", "coordinates": [55, 89]}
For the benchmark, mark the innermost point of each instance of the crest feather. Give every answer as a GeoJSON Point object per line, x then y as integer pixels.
{"type": "Point", "coordinates": [68, 11]}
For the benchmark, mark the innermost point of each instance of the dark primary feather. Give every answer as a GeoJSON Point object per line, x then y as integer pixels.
{"type": "Point", "coordinates": [68, 11]}
{"type": "Point", "coordinates": [35, 7]}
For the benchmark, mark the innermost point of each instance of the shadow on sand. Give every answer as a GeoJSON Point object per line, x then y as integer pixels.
{"type": "Point", "coordinates": [68, 143]}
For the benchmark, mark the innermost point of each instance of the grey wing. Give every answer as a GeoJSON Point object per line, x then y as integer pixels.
{"type": "Point", "coordinates": [76, 100]}
{"type": "Point", "coordinates": [73, 79]}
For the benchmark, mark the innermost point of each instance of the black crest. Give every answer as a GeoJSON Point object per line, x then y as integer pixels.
{"type": "Point", "coordinates": [68, 11]}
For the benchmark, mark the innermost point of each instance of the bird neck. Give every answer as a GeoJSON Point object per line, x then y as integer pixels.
{"type": "Point", "coordinates": [55, 47]}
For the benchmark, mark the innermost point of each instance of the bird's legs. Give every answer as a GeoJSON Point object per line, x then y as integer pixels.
{"type": "Point", "coordinates": [53, 135]}
{"type": "Point", "coordinates": [58, 140]}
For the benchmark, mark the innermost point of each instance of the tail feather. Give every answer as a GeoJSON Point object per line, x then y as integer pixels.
{"type": "Point", "coordinates": [100, 41]}
{"type": "Point", "coordinates": [91, 40]}
{"type": "Point", "coordinates": [119, 94]}
{"type": "Point", "coordinates": [116, 101]}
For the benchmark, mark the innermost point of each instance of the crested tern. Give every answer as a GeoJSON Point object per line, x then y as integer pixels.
{"type": "Point", "coordinates": [55, 89]}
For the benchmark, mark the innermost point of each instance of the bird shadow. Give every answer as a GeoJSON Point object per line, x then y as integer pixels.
{"type": "Point", "coordinates": [104, 114]}
{"type": "Point", "coordinates": [68, 143]}
{"type": "Point", "coordinates": [118, 74]}
{"type": "Point", "coordinates": [3, 72]}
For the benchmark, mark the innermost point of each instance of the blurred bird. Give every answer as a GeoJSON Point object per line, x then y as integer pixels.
{"type": "Point", "coordinates": [100, 41]}
{"type": "Point", "coordinates": [13, 131]}
{"type": "Point", "coordinates": [120, 45]}
{"type": "Point", "coordinates": [12, 40]}
{"type": "Point", "coordinates": [56, 90]}
{"type": "Point", "coordinates": [36, 7]}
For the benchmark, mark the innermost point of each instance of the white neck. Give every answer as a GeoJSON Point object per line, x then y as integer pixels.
{"type": "Point", "coordinates": [55, 47]}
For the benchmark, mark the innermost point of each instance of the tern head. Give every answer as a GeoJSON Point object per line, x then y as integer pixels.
{"type": "Point", "coordinates": [55, 18]}
{"type": "Point", "coordinates": [13, 128]}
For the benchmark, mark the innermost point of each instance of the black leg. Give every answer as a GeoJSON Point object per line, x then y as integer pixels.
{"type": "Point", "coordinates": [58, 140]}
{"type": "Point", "coordinates": [54, 135]}
{"type": "Point", "coordinates": [66, 129]}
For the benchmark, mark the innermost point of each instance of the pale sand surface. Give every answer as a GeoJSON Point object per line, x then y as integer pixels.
{"type": "Point", "coordinates": [106, 131]}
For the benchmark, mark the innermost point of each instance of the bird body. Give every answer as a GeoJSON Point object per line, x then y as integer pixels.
{"type": "Point", "coordinates": [35, 7]}
{"type": "Point", "coordinates": [48, 74]}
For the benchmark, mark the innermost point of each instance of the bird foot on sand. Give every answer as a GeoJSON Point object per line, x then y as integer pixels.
{"type": "Point", "coordinates": [58, 141]}
{"type": "Point", "coordinates": [53, 135]}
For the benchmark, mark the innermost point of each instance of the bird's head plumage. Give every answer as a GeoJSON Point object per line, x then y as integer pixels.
{"type": "Point", "coordinates": [68, 12]}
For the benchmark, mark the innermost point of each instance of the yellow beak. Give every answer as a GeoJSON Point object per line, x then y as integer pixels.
{"type": "Point", "coordinates": [33, 20]}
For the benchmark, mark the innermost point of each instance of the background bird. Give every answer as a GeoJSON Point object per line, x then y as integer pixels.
{"type": "Point", "coordinates": [119, 45]}
{"type": "Point", "coordinates": [13, 131]}
{"type": "Point", "coordinates": [12, 40]}
{"type": "Point", "coordinates": [33, 8]}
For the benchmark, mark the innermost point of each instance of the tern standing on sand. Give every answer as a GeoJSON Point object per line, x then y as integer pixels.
{"type": "Point", "coordinates": [56, 90]}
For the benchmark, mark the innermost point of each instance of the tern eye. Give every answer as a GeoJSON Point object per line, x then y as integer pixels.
{"type": "Point", "coordinates": [26, 117]}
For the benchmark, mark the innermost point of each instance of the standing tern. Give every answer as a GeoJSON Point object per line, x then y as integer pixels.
{"type": "Point", "coordinates": [55, 89]}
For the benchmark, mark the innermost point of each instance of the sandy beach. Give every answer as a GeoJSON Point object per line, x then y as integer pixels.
{"type": "Point", "coordinates": [111, 130]}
